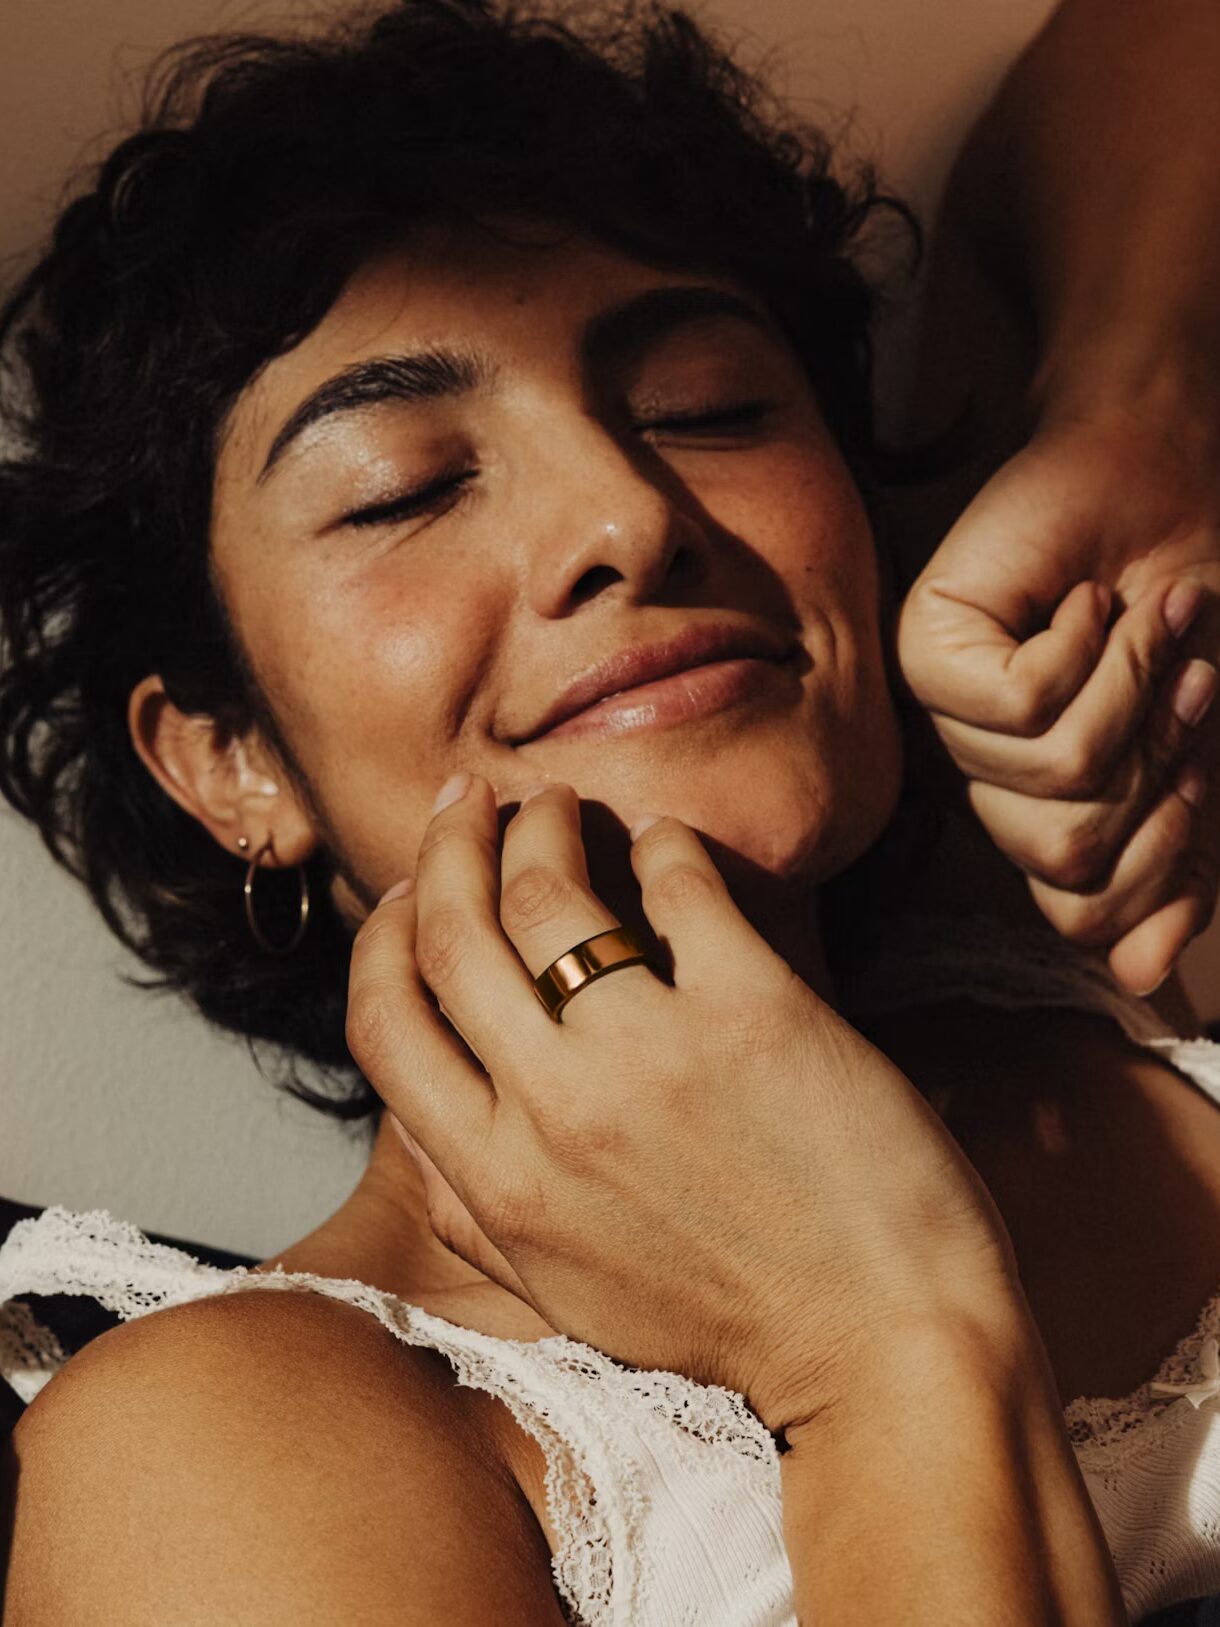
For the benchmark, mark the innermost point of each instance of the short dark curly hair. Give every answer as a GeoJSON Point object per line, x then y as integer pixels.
{"type": "Point", "coordinates": [264, 172]}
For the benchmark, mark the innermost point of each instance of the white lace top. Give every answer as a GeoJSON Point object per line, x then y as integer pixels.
{"type": "Point", "coordinates": [665, 1493]}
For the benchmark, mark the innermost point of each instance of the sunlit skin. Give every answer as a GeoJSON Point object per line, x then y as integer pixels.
{"type": "Point", "coordinates": [394, 654]}
{"type": "Point", "coordinates": [581, 520]}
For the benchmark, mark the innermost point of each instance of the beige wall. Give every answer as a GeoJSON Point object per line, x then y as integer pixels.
{"type": "Point", "coordinates": [108, 1096]}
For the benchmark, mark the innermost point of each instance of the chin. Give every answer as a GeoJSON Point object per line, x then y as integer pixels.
{"type": "Point", "coordinates": [768, 802]}
{"type": "Point", "coordinates": [808, 854]}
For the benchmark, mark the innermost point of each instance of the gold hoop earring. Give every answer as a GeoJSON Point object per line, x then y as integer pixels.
{"type": "Point", "coordinates": [248, 892]}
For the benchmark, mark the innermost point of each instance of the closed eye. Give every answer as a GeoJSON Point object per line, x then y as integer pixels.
{"type": "Point", "coordinates": [440, 494]}
{"type": "Point", "coordinates": [435, 496]}
{"type": "Point", "coordinates": [739, 415]}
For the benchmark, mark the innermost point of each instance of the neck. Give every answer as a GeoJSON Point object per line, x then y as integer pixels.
{"type": "Point", "coordinates": [381, 1234]}
{"type": "Point", "coordinates": [957, 872]}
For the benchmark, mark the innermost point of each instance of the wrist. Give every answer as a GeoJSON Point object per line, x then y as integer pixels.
{"type": "Point", "coordinates": [1129, 373]}
{"type": "Point", "coordinates": [992, 1346]}
{"type": "Point", "coordinates": [957, 1432]}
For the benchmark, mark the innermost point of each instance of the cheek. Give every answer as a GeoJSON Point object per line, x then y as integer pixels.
{"type": "Point", "coordinates": [394, 662]}
{"type": "Point", "coordinates": [818, 543]}
{"type": "Point", "coordinates": [371, 680]}
{"type": "Point", "coordinates": [823, 549]}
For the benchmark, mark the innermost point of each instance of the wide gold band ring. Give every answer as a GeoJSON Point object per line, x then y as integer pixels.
{"type": "Point", "coordinates": [605, 952]}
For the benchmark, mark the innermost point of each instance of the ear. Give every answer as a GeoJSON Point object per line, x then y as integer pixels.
{"type": "Point", "coordinates": [230, 783]}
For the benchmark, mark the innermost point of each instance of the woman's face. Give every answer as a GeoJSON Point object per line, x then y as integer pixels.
{"type": "Point", "coordinates": [493, 467]}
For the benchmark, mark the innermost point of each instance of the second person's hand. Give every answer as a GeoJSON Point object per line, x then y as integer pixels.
{"type": "Point", "coordinates": [1088, 737]}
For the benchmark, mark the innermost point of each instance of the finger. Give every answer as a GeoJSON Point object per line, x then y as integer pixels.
{"type": "Point", "coordinates": [547, 906]}
{"type": "Point", "coordinates": [546, 903]}
{"type": "Point", "coordinates": [962, 662]}
{"type": "Point", "coordinates": [460, 950]}
{"type": "Point", "coordinates": [1078, 755]}
{"type": "Point", "coordinates": [1145, 957]}
{"type": "Point", "coordinates": [688, 904]}
{"type": "Point", "coordinates": [414, 1061]}
{"type": "Point", "coordinates": [1075, 843]}
{"type": "Point", "coordinates": [1150, 872]}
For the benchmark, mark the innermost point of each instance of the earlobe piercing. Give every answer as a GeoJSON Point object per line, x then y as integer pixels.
{"type": "Point", "coordinates": [243, 843]}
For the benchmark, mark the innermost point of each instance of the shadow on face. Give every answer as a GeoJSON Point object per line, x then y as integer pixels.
{"type": "Point", "coordinates": [525, 506]}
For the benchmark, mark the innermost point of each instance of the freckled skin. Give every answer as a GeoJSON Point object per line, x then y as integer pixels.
{"type": "Point", "coordinates": [394, 655]}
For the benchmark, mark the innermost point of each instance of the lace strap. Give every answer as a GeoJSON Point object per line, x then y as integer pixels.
{"type": "Point", "coordinates": [63, 1252]}
{"type": "Point", "coordinates": [599, 1425]}
{"type": "Point", "coordinates": [1198, 1059]}
{"type": "Point", "coordinates": [29, 1353]}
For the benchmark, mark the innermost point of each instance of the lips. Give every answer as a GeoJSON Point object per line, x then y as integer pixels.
{"type": "Point", "coordinates": [645, 663]}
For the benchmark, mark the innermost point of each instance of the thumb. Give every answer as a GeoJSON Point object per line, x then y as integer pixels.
{"type": "Point", "coordinates": [962, 654]}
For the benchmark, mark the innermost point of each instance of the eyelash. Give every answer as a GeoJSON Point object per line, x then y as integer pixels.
{"type": "Point", "coordinates": [740, 415]}
{"type": "Point", "coordinates": [410, 504]}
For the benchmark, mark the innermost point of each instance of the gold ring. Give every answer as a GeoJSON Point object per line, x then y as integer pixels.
{"type": "Point", "coordinates": [604, 952]}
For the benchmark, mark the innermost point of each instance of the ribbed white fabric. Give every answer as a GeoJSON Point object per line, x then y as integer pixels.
{"type": "Point", "coordinates": [665, 1493]}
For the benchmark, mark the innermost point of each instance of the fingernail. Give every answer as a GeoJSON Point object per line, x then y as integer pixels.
{"type": "Point", "coordinates": [1142, 994]}
{"type": "Point", "coordinates": [1192, 785]}
{"type": "Point", "coordinates": [400, 889]}
{"type": "Point", "coordinates": [534, 791]}
{"type": "Point", "coordinates": [1194, 692]}
{"type": "Point", "coordinates": [1182, 605]}
{"type": "Point", "coordinates": [642, 824]}
{"type": "Point", "coordinates": [453, 790]}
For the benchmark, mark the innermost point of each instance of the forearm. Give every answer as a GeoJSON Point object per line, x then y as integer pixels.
{"type": "Point", "coordinates": [942, 1492]}
{"type": "Point", "coordinates": [1093, 184]}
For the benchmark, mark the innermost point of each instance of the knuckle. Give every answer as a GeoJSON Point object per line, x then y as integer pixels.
{"type": "Point", "coordinates": [370, 1030]}
{"type": "Point", "coordinates": [1082, 921]}
{"type": "Point", "coordinates": [1144, 655]}
{"type": "Point", "coordinates": [1032, 703]}
{"type": "Point", "coordinates": [757, 1033]}
{"type": "Point", "coordinates": [515, 1211]}
{"type": "Point", "coordinates": [680, 884]}
{"type": "Point", "coordinates": [580, 1131]}
{"type": "Point", "coordinates": [505, 1214]}
{"type": "Point", "coordinates": [376, 927]}
{"type": "Point", "coordinates": [1075, 769]}
{"type": "Point", "coordinates": [440, 836]}
{"type": "Point", "coordinates": [1075, 855]}
{"type": "Point", "coordinates": [534, 896]}
{"type": "Point", "coordinates": [442, 942]}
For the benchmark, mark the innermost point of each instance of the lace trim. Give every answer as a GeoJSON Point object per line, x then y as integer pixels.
{"type": "Point", "coordinates": [554, 1387]}
{"type": "Point", "coordinates": [29, 1353]}
{"type": "Point", "coordinates": [94, 1254]}
{"type": "Point", "coordinates": [1114, 1426]}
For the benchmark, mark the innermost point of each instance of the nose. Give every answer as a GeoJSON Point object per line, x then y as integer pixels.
{"type": "Point", "coordinates": [608, 523]}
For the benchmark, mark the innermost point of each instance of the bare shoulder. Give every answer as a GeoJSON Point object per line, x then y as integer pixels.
{"type": "Point", "coordinates": [265, 1457]}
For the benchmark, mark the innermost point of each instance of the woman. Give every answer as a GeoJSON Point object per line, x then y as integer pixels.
{"type": "Point", "coordinates": [392, 419]}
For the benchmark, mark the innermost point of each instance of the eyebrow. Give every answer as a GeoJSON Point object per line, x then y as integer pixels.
{"type": "Point", "coordinates": [623, 330]}
{"type": "Point", "coordinates": [617, 333]}
{"type": "Point", "coordinates": [427, 375]}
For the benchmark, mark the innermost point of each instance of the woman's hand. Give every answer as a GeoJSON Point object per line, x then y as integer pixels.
{"type": "Point", "coordinates": [720, 1177]}
{"type": "Point", "coordinates": [1089, 746]}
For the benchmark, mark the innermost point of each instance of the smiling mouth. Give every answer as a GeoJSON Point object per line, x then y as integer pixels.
{"type": "Point", "coordinates": [694, 692]}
